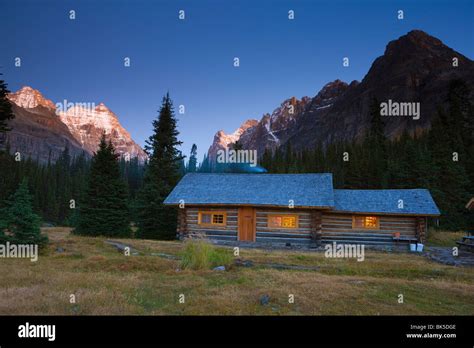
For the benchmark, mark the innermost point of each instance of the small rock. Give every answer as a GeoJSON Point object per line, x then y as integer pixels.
{"type": "Point", "coordinates": [219, 268]}
{"type": "Point", "coordinates": [264, 300]}
{"type": "Point", "coordinates": [59, 250]}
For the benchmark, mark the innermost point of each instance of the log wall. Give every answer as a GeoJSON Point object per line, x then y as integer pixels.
{"type": "Point", "coordinates": [301, 234]}
{"type": "Point", "coordinates": [227, 232]}
{"type": "Point", "coordinates": [314, 227]}
{"type": "Point", "coordinates": [338, 227]}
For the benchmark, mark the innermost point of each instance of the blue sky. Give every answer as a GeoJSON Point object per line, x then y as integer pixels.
{"type": "Point", "coordinates": [81, 60]}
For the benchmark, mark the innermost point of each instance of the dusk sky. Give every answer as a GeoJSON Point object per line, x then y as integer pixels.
{"type": "Point", "coordinates": [82, 60]}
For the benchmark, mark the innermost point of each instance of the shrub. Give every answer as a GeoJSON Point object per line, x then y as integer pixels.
{"type": "Point", "coordinates": [200, 254]}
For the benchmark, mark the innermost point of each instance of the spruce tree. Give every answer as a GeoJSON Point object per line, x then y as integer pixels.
{"type": "Point", "coordinates": [155, 220]}
{"type": "Point", "coordinates": [104, 208]}
{"type": "Point", "coordinates": [192, 165]}
{"type": "Point", "coordinates": [19, 219]}
{"type": "Point", "coordinates": [6, 112]}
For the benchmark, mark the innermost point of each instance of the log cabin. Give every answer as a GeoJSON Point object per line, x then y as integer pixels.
{"type": "Point", "coordinates": [295, 209]}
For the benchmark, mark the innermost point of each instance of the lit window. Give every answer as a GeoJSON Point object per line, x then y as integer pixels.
{"type": "Point", "coordinates": [365, 222]}
{"type": "Point", "coordinates": [283, 221]}
{"type": "Point", "coordinates": [212, 218]}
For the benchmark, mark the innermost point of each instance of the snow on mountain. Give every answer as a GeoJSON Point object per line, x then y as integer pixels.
{"type": "Point", "coordinates": [88, 124]}
{"type": "Point", "coordinates": [223, 140]}
{"type": "Point", "coordinates": [266, 133]}
{"type": "Point", "coordinates": [29, 98]}
{"type": "Point", "coordinates": [81, 125]}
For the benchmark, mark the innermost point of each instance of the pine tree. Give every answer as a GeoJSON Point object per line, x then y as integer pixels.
{"type": "Point", "coordinates": [104, 209]}
{"type": "Point", "coordinates": [6, 112]}
{"type": "Point", "coordinates": [20, 220]}
{"type": "Point", "coordinates": [155, 220]}
{"type": "Point", "coordinates": [192, 164]}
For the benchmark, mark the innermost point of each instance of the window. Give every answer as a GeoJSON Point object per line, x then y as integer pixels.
{"type": "Point", "coordinates": [365, 222]}
{"type": "Point", "coordinates": [212, 218]}
{"type": "Point", "coordinates": [282, 221]}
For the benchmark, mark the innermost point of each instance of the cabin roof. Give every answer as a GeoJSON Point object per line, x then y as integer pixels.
{"type": "Point", "coordinates": [306, 190]}
{"type": "Point", "coordinates": [415, 201]}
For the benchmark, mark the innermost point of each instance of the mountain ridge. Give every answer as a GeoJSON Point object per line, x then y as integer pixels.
{"type": "Point", "coordinates": [416, 67]}
{"type": "Point", "coordinates": [41, 131]}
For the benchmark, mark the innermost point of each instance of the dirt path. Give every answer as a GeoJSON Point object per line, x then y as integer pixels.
{"type": "Point", "coordinates": [445, 256]}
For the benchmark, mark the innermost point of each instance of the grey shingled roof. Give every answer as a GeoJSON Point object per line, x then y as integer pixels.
{"type": "Point", "coordinates": [306, 190]}
{"type": "Point", "coordinates": [415, 201]}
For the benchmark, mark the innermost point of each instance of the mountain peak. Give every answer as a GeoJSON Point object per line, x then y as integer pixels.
{"type": "Point", "coordinates": [413, 41]}
{"type": "Point", "coordinates": [29, 98]}
{"type": "Point", "coordinates": [329, 92]}
{"type": "Point", "coordinates": [101, 107]}
{"type": "Point", "coordinates": [419, 35]}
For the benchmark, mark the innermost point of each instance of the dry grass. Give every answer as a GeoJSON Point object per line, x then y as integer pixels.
{"type": "Point", "coordinates": [107, 282]}
{"type": "Point", "coordinates": [444, 238]}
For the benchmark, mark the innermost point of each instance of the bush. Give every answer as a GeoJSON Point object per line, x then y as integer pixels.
{"type": "Point", "coordinates": [200, 254]}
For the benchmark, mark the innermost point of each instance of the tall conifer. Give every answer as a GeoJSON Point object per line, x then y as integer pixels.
{"type": "Point", "coordinates": [104, 209]}
{"type": "Point", "coordinates": [155, 220]}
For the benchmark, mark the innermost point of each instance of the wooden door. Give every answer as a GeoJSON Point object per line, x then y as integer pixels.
{"type": "Point", "coordinates": [247, 224]}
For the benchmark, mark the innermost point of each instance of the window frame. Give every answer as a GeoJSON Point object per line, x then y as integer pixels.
{"type": "Point", "coordinates": [354, 227]}
{"type": "Point", "coordinates": [296, 216]}
{"type": "Point", "coordinates": [212, 213]}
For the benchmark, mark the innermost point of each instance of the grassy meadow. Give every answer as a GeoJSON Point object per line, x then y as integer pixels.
{"type": "Point", "coordinates": [105, 281]}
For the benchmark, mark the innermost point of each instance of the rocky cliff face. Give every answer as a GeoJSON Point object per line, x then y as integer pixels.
{"type": "Point", "coordinates": [414, 68]}
{"type": "Point", "coordinates": [37, 132]}
{"type": "Point", "coordinates": [41, 132]}
{"type": "Point", "coordinates": [223, 140]}
{"type": "Point", "coordinates": [29, 98]}
{"type": "Point", "coordinates": [88, 124]}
